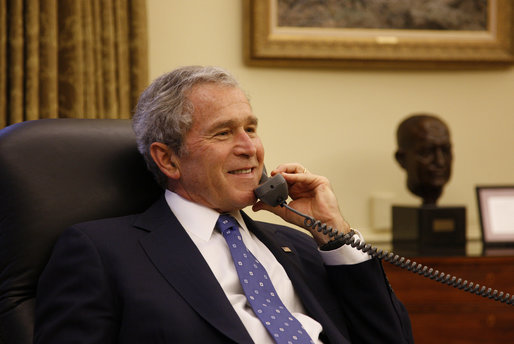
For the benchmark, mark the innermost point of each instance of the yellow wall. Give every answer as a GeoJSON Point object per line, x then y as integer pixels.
{"type": "Point", "coordinates": [341, 123]}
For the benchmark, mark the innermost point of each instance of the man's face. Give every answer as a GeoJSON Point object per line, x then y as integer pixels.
{"type": "Point", "coordinates": [224, 155]}
{"type": "Point", "coordinates": [428, 161]}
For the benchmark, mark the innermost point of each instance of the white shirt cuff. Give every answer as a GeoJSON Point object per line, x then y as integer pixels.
{"type": "Point", "coordinates": [346, 254]}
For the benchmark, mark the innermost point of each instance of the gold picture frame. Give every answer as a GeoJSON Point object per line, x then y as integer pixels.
{"type": "Point", "coordinates": [268, 44]}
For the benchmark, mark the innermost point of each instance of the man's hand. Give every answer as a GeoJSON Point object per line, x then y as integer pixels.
{"type": "Point", "coordinates": [312, 195]}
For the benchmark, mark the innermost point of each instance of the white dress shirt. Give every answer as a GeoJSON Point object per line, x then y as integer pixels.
{"type": "Point", "coordinates": [199, 222]}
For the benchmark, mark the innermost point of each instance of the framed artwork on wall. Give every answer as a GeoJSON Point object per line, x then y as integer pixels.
{"type": "Point", "coordinates": [379, 33]}
{"type": "Point", "coordinates": [496, 212]}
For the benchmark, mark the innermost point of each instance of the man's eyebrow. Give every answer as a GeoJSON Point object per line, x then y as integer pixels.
{"type": "Point", "coordinates": [253, 120]}
{"type": "Point", "coordinates": [250, 120]}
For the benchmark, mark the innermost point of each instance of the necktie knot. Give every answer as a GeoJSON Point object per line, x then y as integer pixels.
{"type": "Point", "coordinates": [226, 222]}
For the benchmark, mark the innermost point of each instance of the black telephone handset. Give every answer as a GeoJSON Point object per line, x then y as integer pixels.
{"type": "Point", "coordinates": [273, 191]}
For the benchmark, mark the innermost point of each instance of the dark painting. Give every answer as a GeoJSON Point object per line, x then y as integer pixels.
{"type": "Point", "coordinates": [461, 15]}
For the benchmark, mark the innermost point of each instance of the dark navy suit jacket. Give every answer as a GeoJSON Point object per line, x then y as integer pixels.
{"type": "Point", "coordinates": [140, 279]}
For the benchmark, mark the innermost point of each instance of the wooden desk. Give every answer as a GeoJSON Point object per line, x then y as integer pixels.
{"type": "Point", "coordinates": [446, 315]}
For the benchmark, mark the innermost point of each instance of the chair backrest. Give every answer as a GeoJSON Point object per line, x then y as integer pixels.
{"type": "Point", "coordinates": [54, 173]}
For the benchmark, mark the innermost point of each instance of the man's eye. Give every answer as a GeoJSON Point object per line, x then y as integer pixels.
{"type": "Point", "coordinates": [222, 133]}
{"type": "Point", "coordinates": [251, 130]}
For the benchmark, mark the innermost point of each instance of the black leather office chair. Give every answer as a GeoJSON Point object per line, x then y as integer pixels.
{"type": "Point", "coordinates": [54, 173]}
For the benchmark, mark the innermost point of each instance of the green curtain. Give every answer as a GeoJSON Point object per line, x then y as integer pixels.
{"type": "Point", "coordinates": [71, 58]}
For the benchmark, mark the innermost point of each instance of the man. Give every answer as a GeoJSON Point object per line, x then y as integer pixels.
{"type": "Point", "coordinates": [425, 152]}
{"type": "Point", "coordinates": [173, 275]}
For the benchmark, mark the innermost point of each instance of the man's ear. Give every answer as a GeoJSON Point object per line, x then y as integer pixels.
{"type": "Point", "coordinates": [165, 159]}
{"type": "Point", "coordinates": [400, 157]}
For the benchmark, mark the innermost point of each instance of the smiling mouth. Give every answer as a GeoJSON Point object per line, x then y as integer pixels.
{"type": "Point", "coordinates": [242, 171]}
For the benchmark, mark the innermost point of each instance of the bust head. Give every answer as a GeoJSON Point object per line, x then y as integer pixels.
{"type": "Point", "coordinates": [425, 152]}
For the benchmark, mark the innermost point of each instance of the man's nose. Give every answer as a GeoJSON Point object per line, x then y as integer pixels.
{"type": "Point", "coordinates": [245, 144]}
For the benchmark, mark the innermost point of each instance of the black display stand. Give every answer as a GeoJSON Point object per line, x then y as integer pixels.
{"type": "Point", "coordinates": [429, 230]}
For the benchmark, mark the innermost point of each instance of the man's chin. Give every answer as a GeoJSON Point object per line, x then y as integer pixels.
{"type": "Point", "coordinates": [250, 200]}
{"type": "Point", "coordinates": [244, 199]}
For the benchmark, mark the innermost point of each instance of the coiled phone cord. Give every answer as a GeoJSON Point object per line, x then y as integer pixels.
{"type": "Point", "coordinates": [422, 270]}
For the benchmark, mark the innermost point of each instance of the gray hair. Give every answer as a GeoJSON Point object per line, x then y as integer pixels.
{"type": "Point", "coordinates": [165, 114]}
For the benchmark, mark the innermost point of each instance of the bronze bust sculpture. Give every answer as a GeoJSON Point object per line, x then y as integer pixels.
{"type": "Point", "coordinates": [425, 152]}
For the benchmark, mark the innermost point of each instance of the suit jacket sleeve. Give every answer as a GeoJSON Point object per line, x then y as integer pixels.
{"type": "Point", "coordinates": [372, 311]}
{"type": "Point", "coordinates": [357, 298]}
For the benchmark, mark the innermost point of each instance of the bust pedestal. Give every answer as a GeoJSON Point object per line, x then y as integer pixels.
{"type": "Point", "coordinates": [429, 230]}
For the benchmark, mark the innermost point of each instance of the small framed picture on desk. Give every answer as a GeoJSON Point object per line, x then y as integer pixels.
{"type": "Point", "coordinates": [496, 211]}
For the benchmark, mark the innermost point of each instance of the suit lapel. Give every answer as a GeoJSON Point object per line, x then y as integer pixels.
{"type": "Point", "coordinates": [177, 258]}
{"type": "Point", "coordinates": [286, 255]}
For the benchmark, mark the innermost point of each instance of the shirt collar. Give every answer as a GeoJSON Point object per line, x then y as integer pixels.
{"type": "Point", "coordinates": [197, 219]}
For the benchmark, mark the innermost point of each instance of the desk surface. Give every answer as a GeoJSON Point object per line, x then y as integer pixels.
{"type": "Point", "coordinates": [443, 314]}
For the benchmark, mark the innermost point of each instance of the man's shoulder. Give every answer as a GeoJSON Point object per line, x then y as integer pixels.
{"type": "Point", "coordinates": [103, 229]}
{"type": "Point", "coordinates": [123, 221]}
{"type": "Point", "coordinates": [107, 222]}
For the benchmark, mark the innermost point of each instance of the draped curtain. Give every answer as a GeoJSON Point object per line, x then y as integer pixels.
{"type": "Point", "coordinates": [71, 58]}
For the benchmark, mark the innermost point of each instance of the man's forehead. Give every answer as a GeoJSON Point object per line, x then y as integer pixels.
{"type": "Point", "coordinates": [213, 98]}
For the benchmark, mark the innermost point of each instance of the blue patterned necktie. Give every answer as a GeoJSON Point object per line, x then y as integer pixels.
{"type": "Point", "coordinates": [260, 293]}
